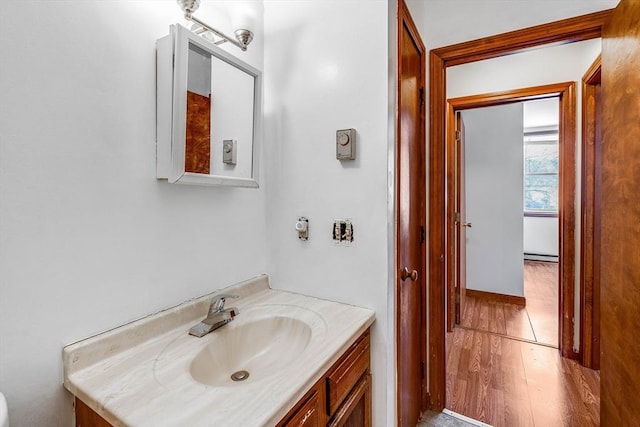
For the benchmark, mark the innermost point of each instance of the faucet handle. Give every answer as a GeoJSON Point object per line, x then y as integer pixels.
{"type": "Point", "coordinates": [217, 303]}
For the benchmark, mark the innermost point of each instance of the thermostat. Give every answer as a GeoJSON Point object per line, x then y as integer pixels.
{"type": "Point", "coordinates": [229, 151]}
{"type": "Point", "coordinates": [346, 144]}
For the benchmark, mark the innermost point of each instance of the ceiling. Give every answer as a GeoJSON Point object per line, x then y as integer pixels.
{"type": "Point", "coordinates": [445, 22]}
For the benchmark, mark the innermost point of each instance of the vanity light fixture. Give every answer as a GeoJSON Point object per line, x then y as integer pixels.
{"type": "Point", "coordinates": [243, 36]}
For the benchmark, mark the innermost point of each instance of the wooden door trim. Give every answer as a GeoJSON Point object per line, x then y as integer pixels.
{"type": "Point", "coordinates": [566, 217]}
{"type": "Point", "coordinates": [569, 30]}
{"type": "Point", "coordinates": [565, 31]}
{"type": "Point", "coordinates": [406, 21]}
{"type": "Point", "coordinates": [590, 215]}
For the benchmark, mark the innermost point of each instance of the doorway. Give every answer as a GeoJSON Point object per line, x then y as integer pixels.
{"type": "Point", "coordinates": [570, 30]}
{"type": "Point", "coordinates": [506, 184]}
{"type": "Point", "coordinates": [494, 377]}
{"type": "Point", "coordinates": [565, 93]}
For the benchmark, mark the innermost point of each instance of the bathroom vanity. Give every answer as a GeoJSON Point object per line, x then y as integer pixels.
{"type": "Point", "coordinates": [342, 397]}
{"type": "Point", "coordinates": [286, 359]}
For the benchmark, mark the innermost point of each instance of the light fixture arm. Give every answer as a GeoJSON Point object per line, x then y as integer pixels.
{"type": "Point", "coordinates": [243, 36]}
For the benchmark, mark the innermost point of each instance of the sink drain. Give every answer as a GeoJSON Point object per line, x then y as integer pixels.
{"type": "Point", "coordinates": [240, 376]}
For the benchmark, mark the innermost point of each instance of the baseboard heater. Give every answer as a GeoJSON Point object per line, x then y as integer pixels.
{"type": "Point", "coordinates": [540, 257]}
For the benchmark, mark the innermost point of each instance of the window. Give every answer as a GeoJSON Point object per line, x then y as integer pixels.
{"type": "Point", "coordinates": [541, 173]}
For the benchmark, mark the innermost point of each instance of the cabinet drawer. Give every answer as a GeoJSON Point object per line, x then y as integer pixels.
{"type": "Point", "coordinates": [307, 415]}
{"type": "Point", "coordinates": [346, 372]}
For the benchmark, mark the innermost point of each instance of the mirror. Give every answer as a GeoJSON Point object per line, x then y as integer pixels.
{"type": "Point", "coordinates": [208, 113]}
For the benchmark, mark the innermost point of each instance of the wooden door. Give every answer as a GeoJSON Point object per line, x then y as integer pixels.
{"type": "Point", "coordinates": [461, 223]}
{"type": "Point", "coordinates": [620, 229]}
{"type": "Point", "coordinates": [411, 195]}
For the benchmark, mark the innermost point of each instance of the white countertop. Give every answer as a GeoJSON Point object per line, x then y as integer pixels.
{"type": "Point", "coordinates": [139, 374]}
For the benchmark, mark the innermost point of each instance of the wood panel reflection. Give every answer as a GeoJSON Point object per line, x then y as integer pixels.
{"type": "Point", "coordinates": [197, 157]}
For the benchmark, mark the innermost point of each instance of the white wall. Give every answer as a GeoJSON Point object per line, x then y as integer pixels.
{"type": "Point", "coordinates": [493, 194]}
{"type": "Point", "coordinates": [89, 239]}
{"type": "Point", "coordinates": [541, 235]}
{"type": "Point", "coordinates": [326, 69]}
{"type": "Point", "coordinates": [537, 67]}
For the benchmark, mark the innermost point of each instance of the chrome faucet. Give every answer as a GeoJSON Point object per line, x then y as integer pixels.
{"type": "Point", "coordinates": [218, 316]}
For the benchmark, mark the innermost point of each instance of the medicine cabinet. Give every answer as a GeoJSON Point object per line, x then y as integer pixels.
{"type": "Point", "coordinates": [209, 109]}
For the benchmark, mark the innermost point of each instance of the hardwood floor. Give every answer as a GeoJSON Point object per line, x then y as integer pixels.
{"type": "Point", "coordinates": [541, 292]}
{"type": "Point", "coordinates": [537, 322]}
{"type": "Point", "coordinates": [503, 369]}
{"type": "Point", "coordinates": [511, 383]}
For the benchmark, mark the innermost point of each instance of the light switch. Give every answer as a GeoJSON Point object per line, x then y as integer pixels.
{"type": "Point", "coordinates": [229, 151]}
{"type": "Point", "coordinates": [346, 144]}
{"type": "Point", "coordinates": [342, 231]}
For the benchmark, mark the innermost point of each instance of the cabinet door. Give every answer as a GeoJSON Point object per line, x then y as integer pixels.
{"type": "Point", "coordinates": [87, 417]}
{"type": "Point", "coordinates": [356, 409]}
{"type": "Point", "coordinates": [308, 415]}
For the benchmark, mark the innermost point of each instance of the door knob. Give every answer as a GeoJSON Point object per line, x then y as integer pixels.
{"type": "Point", "coordinates": [467, 224]}
{"type": "Point", "coordinates": [406, 274]}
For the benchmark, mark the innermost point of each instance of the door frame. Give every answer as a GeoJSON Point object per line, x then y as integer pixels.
{"type": "Point", "coordinates": [405, 20]}
{"type": "Point", "coordinates": [590, 215]}
{"type": "Point", "coordinates": [566, 94]}
{"type": "Point", "coordinates": [458, 286]}
{"type": "Point", "coordinates": [580, 28]}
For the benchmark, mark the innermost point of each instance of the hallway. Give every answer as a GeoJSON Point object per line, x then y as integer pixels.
{"type": "Point", "coordinates": [507, 383]}
{"type": "Point", "coordinates": [503, 366]}
{"type": "Point", "coordinates": [536, 322]}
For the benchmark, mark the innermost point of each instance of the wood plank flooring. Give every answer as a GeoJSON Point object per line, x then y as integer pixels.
{"type": "Point", "coordinates": [541, 291]}
{"type": "Point", "coordinates": [537, 322]}
{"type": "Point", "coordinates": [511, 383]}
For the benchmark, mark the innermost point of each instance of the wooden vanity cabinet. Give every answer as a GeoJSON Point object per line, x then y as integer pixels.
{"type": "Point", "coordinates": [342, 397]}
{"type": "Point", "coordinates": [86, 417]}
{"type": "Point", "coordinates": [308, 412]}
{"type": "Point", "coordinates": [356, 410]}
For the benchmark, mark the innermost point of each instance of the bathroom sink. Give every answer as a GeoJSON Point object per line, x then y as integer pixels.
{"type": "Point", "coordinates": [249, 351]}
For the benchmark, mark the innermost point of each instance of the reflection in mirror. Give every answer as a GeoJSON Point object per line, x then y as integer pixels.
{"type": "Point", "coordinates": [197, 156]}
{"type": "Point", "coordinates": [232, 116]}
{"type": "Point", "coordinates": [213, 103]}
